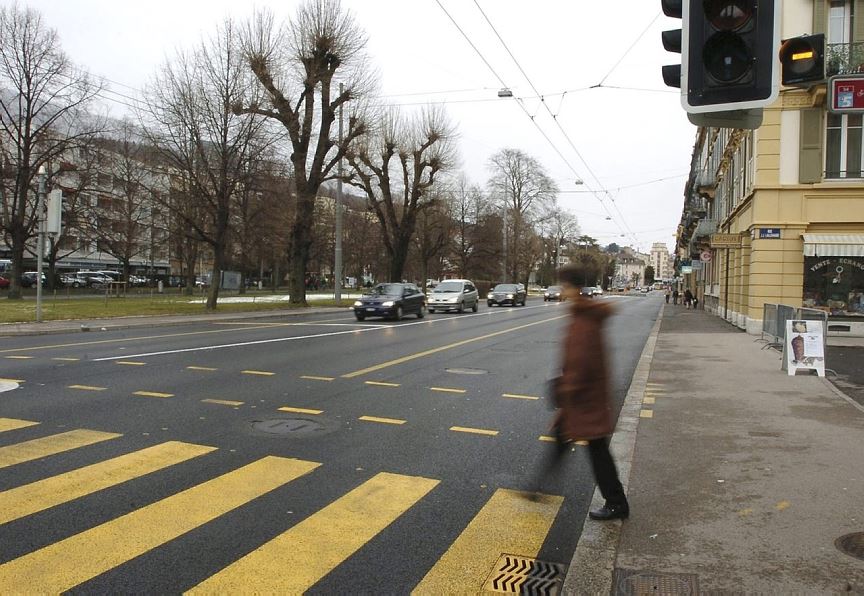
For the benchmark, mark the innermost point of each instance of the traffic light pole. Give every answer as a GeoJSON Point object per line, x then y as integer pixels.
{"type": "Point", "coordinates": [337, 265]}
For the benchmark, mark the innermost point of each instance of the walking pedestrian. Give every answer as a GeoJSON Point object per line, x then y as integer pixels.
{"type": "Point", "coordinates": [668, 294]}
{"type": "Point", "coordinates": [675, 296]}
{"type": "Point", "coordinates": [695, 301]}
{"type": "Point", "coordinates": [688, 298]}
{"type": "Point", "coordinates": [582, 391]}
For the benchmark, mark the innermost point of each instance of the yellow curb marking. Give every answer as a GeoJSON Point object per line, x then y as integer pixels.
{"type": "Point", "coordinates": [299, 410]}
{"type": "Point", "coordinates": [261, 373]}
{"type": "Point", "coordinates": [67, 359]}
{"type": "Point", "coordinates": [12, 380]}
{"type": "Point", "coordinates": [131, 363]}
{"type": "Point", "coordinates": [314, 378]}
{"type": "Point", "coordinates": [223, 402]}
{"type": "Point", "coordinates": [549, 439]}
{"type": "Point", "coordinates": [646, 414]}
{"type": "Point", "coordinates": [476, 431]}
{"type": "Point", "coordinates": [382, 384]}
{"type": "Point", "coordinates": [19, 357]}
{"type": "Point", "coordinates": [382, 420]}
{"type": "Point", "coordinates": [207, 368]}
{"type": "Point", "coordinates": [782, 505]}
{"type": "Point", "coordinates": [13, 424]}
{"type": "Point", "coordinates": [152, 394]}
{"type": "Point", "coordinates": [648, 401]}
{"type": "Point", "coordinates": [87, 388]}
{"type": "Point", "coordinates": [745, 512]}
{"type": "Point", "coordinates": [446, 390]}
{"type": "Point", "coordinates": [517, 396]}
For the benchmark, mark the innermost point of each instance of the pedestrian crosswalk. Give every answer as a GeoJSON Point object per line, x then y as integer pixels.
{"type": "Point", "coordinates": [291, 562]}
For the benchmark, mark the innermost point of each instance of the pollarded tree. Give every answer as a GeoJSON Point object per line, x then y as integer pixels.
{"type": "Point", "coordinates": [397, 165]}
{"type": "Point", "coordinates": [44, 101]}
{"type": "Point", "coordinates": [299, 66]}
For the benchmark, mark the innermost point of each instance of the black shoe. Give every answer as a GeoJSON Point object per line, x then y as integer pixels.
{"type": "Point", "coordinates": [608, 512]}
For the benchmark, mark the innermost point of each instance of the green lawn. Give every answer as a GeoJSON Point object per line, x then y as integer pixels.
{"type": "Point", "coordinates": [63, 306]}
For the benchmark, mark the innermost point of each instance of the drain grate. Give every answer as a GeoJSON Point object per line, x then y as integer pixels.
{"type": "Point", "coordinates": [522, 575]}
{"type": "Point", "coordinates": [629, 582]}
{"type": "Point", "coordinates": [289, 426]}
{"type": "Point", "coordinates": [851, 544]}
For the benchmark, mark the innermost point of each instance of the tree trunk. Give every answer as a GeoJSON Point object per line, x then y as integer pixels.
{"type": "Point", "coordinates": [215, 278]}
{"type": "Point", "coordinates": [17, 263]}
{"type": "Point", "coordinates": [300, 245]}
{"type": "Point", "coordinates": [399, 258]}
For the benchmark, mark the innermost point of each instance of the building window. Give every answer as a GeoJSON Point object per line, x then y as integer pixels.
{"type": "Point", "coordinates": [835, 284]}
{"type": "Point", "coordinates": [840, 21]}
{"type": "Point", "coordinates": [843, 155]}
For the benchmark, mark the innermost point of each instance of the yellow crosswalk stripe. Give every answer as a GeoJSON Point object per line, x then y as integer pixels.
{"type": "Point", "coordinates": [79, 558]}
{"type": "Point", "coordinates": [12, 424]}
{"type": "Point", "coordinates": [223, 402]}
{"type": "Point", "coordinates": [510, 522]}
{"type": "Point", "coordinates": [50, 492]}
{"type": "Point", "coordinates": [87, 388]}
{"type": "Point", "coordinates": [152, 394]}
{"type": "Point", "coordinates": [300, 410]}
{"type": "Point", "coordinates": [260, 373]}
{"type": "Point", "coordinates": [295, 560]}
{"type": "Point", "coordinates": [39, 448]}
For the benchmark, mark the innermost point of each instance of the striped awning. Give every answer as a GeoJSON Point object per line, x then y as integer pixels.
{"type": "Point", "coordinates": [833, 245]}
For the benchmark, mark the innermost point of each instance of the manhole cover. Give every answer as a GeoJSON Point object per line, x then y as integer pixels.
{"type": "Point", "coordinates": [851, 544]}
{"type": "Point", "coordinates": [289, 426]}
{"type": "Point", "coordinates": [466, 371]}
{"type": "Point", "coordinates": [629, 582]}
{"type": "Point", "coordinates": [522, 575]}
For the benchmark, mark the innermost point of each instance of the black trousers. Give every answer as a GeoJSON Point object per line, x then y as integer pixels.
{"type": "Point", "coordinates": [605, 472]}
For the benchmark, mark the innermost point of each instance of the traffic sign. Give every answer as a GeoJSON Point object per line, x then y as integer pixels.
{"type": "Point", "coordinates": [705, 256]}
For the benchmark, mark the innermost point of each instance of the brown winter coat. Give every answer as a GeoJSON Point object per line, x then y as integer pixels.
{"type": "Point", "coordinates": [582, 392]}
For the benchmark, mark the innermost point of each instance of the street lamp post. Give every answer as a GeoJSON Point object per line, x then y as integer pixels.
{"type": "Point", "coordinates": [337, 257]}
{"type": "Point", "coordinates": [40, 248]}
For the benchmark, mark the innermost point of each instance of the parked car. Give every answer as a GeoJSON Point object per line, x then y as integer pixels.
{"type": "Point", "coordinates": [391, 300]}
{"type": "Point", "coordinates": [454, 294]}
{"type": "Point", "coordinates": [28, 279]}
{"type": "Point", "coordinates": [4, 282]}
{"type": "Point", "coordinates": [553, 293]}
{"type": "Point", "coordinates": [73, 280]}
{"type": "Point", "coordinates": [598, 291]}
{"type": "Point", "coordinates": [502, 294]}
{"type": "Point", "coordinates": [95, 279]}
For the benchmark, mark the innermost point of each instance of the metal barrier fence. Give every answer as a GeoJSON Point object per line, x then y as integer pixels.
{"type": "Point", "coordinates": [769, 321]}
{"type": "Point", "coordinates": [774, 317]}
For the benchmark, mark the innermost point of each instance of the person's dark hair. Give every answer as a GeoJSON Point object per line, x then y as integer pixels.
{"type": "Point", "coordinates": [572, 274]}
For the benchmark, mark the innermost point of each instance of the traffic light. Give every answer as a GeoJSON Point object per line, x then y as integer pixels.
{"type": "Point", "coordinates": [672, 43]}
{"type": "Point", "coordinates": [802, 60]}
{"type": "Point", "coordinates": [728, 54]}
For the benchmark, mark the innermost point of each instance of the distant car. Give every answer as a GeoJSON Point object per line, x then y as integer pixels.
{"type": "Point", "coordinates": [95, 279]}
{"type": "Point", "coordinates": [598, 291]}
{"type": "Point", "coordinates": [453, 294]}
{"type": "Point", "coordinates": [553, 293]}
{"type": "Point", "coordinates": [502, 294]}
{"type": "Point", "coordinates": [587, 291]}
{"type": "Point", "coordinates": [4, 282]}
{"type": "Point", "coordinates": [391, 300]}
{"type": "Point", "coordinates": [28, 279]}
{"type": "Point", "coordinates": [72, 280]}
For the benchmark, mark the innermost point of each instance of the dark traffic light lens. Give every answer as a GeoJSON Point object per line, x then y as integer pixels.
{"type": "Point", "coordinates": [726, 57]}
{"type": "Point", "coordinates": [728, 15]}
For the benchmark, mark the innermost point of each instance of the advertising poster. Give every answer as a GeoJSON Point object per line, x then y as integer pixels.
{"type": "Point", "coordinates": [805, 346]}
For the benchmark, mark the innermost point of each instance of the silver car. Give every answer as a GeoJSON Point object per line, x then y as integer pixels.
{"type": "Point", "coordinates": [453, 294]}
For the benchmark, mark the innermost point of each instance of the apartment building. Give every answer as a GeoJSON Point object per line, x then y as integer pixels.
{"type": "Point", "coordinates": [788, 198]}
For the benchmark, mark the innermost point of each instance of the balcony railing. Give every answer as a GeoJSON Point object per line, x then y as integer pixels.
{"type": "Point", "coordinates": [844, 58]}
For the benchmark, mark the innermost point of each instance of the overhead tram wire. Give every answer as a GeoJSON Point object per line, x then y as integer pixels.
{"type": "Point", "coordinates": [561, 128]}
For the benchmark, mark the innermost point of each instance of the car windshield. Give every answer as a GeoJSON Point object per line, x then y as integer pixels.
{"type": "Point", "coordinates": [387, 290]}
{"type": "Point", "coordinates": [449, 287]}
{"type": "Point", "coordinates": [505, 288]}
{"type": "Point", "coordinates": [554, 289]}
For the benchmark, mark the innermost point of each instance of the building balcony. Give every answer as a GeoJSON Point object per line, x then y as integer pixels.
{"type": "Point", "coordinates": [844, 58]}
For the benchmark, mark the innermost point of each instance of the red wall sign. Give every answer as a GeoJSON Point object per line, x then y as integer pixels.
{"type": "Point", "coordinates": [846, 94]}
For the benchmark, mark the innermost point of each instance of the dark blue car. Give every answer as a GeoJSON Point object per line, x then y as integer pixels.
{"type": "Point", "coordinates": [392, 301]}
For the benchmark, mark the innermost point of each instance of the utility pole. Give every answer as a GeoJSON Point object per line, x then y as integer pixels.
{"type": "Point", "coordinates": [40, 249]}
{"type": "Point", "coordinates": [337, 266]}
{"type": "Point", "coordinates": [504, 236]}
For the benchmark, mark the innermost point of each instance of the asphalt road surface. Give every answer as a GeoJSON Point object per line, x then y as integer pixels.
{"type": "Point", "coordinates": [321, 455]}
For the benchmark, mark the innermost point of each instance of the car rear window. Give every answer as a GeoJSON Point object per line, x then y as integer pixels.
{"type": "Point", "coordinates": [449, 286]}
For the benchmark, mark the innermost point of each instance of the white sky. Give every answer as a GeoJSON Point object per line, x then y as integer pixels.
{"type": "Point", "coordinates": [634, 143]}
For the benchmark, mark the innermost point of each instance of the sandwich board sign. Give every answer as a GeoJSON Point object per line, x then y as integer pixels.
{"type": "Point", "coordinates": [804, 347]}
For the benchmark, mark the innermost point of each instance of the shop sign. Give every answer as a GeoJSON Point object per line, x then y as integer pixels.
{"type": "Point", "coordinates": [769, 233]}
{"type": "Point", "coordinates": [725, 241]}
{"type": "Point", "coordinates": [686, 269]}
{"type": "Point", "coordinates": [846, 94]}
{"type": "Point", "coordinates": [805, 347]}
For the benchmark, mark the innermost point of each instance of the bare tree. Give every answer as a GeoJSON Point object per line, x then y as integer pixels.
{"type": "Point", "coordinates": [434, 233]}
{"type": "Point", "coordinates": [396, 166]}
{"type": "Point", "coordinates": [559, 228]}
{"type": "Point", "coordinates": [296, 65]}
{"type": "Point", "coordinates": [43, 114]}
{"type": "Point", "coordinates": [522, 186]}
{"type": "Point", "coordinates": [468, 206]}
{"type": "Point", "coordinates": [191, 122]}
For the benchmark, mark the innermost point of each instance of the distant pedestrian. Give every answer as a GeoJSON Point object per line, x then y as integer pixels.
{"type": "Point", "coordinates": [668, 294]}
{"type": "Point", "coordinates": [695, 301]}
{"type": "Point", "coordinates": [582, 391]}
{"type": "Point", "coordinates": [688, 298]}
{"type": "Point", "coordinates": [675, 296]}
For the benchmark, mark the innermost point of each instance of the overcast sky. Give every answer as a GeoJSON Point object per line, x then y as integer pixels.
{"type": "Point", "coordinates": [629, 136]}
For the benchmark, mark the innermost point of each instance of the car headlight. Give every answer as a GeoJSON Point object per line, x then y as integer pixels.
{"type": "Point", "coordinates": [388, 303]}
{"type": "Point", "coordinates": [358, 303]}
{"type": "Point", "coordinates": [489, 296]}
{"type": "Point", "coordinates": [510, 296]}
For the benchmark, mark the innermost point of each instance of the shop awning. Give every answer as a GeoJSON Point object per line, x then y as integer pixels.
{"type": "Point", "coordinates": [833, 245]}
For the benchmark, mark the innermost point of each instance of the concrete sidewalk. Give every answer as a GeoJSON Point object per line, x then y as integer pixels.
{"type": "Point", "coordinates": [741, 478]}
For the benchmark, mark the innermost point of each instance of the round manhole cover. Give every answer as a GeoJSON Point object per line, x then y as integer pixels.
{"type": "Point", "coordinates": [466, 371]}
{"type": "Point", "coordinates": [851, 544]}
{"type": "Point", "coordinates": [289, 426]}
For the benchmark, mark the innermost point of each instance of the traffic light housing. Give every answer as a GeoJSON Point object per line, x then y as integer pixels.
{"type": "Point", "coordinates": [802, 60]}
{"type": "Point", "coordinates": [728, 54]}
{"type": "Point", "coordinates": [672, 43]}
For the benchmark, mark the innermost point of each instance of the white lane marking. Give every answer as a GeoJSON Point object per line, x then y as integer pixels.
{"type": "Point", "coordinates": [357, 329]}
{"type": "Point", "coordinates": [7, 386]}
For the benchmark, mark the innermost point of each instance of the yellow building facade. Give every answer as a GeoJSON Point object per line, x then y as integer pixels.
{"type": "Point", "coordinates": [790, 195]}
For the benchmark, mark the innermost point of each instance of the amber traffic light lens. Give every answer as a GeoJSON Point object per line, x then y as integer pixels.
{"type": "Point", "coordinates": [728, 15]}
